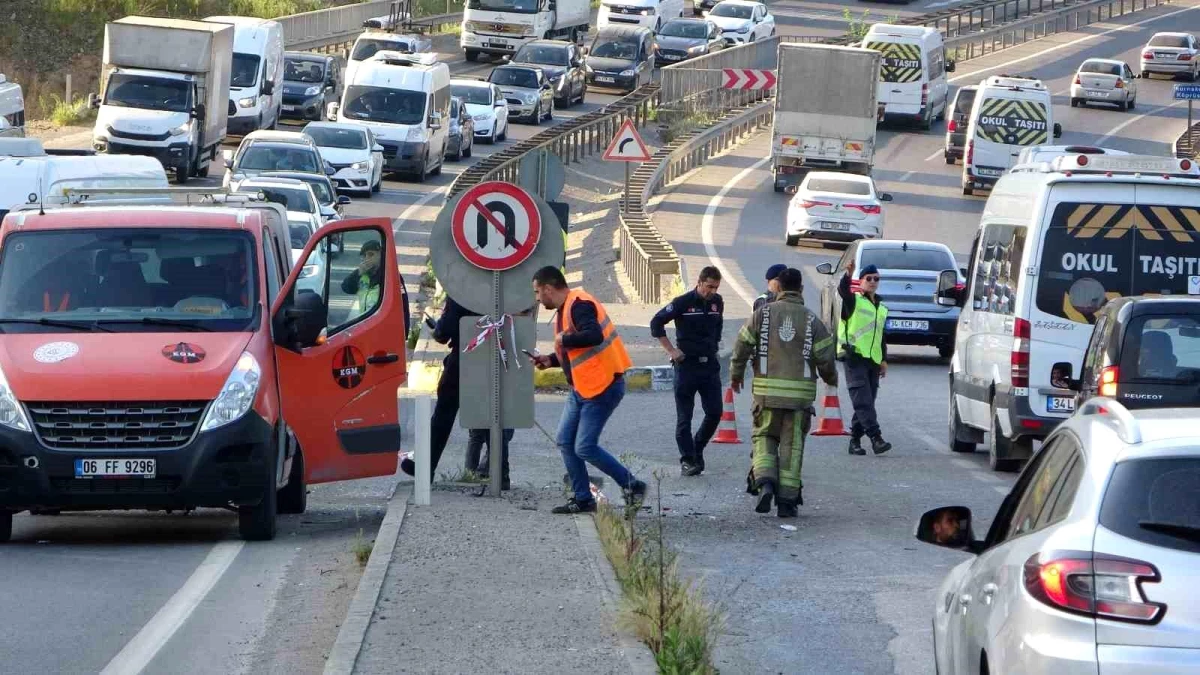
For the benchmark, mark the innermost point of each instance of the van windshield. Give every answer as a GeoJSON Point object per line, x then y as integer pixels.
{"type": "Point", "coordinates": [1013, 122]}
{"type": "Point", "coordinates": [245, 71]}
{"type": "Point", "coordinates": [1162, 348]}
{"type": "Point", "coordinates": [128, 280]}
{"type": "Point", "coordinates": [379, 104]}
{"type": "Point", "coordinates": [516, 6]}
{"type": "Point", "coordinates": [365, 49]}
{"type": "Point", "coordinates": [1093, 252]}
{"type": "Point", "coordinates": [149, 93]}
{"type": "Point", "coordinates": [964, 101]}
{"type": "Point", "coordinates": [901, 62]}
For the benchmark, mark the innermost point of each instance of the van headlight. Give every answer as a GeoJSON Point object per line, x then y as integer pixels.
{"type": "Point", "coordinates": [237, 394]}
{"type": "Point", "coordinates": [312, 91]}
{"type": "Point", "coordinates": [12, 415]}
{"type": "Point", "coordinates": [248, 102]}
{"type": "Point", "coordinates": [310, 271]}
{"type": "Point", "coordinates": [415, 135]}
{"type": "Point", "coordinates": [360, 167]}
{"type": "Point", "coordinates": [179, 130]}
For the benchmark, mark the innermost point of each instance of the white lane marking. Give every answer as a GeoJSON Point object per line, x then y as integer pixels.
{"type": "Point", "coordinates": [907, 176]}
{"type": "Point", "coordinates": [1117, 129]}
{"type": "Point", "coordinates": [407, 213]}
{"type": "Point", "coordinates": [939, 153]}
{"type": "Point", "coordinates": [1072, 43]}
{"type": "Point", "coordinates": [706, 229]}
{"type": "Point", "coordinates": [139, 651]}
{"type": "Point", "coordinates": [943, 3]}
{"type": "Point", "coordinates": [1002, 489]}
{"type": "Point", "coordinates": [932, 442]}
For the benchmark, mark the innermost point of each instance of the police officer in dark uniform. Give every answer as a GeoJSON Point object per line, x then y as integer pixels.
{"type": "Point", "coordinates": [699, 318]}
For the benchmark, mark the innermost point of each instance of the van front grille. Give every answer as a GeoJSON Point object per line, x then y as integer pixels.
{"type": "Point", "coordinates": [115, 425]}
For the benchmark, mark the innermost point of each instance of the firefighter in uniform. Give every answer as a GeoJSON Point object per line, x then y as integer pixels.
{"type": "Point", "coordinates": [768, 295]}
{"type": "Point", "coordinates": [790, 347]}
{"type": "Point", "coordinates": [699, 318]}
{"type": "Point", "coordinates": [864, 316]}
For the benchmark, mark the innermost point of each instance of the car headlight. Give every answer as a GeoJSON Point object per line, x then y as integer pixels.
{"type": "Point", "coordinates": [248, 102]}
{"type": "Point", "coordinates": [415, 135]}
{"type": "Point", "coordinates": [179, 130]}
{"type": "Point", "coordinates": [530, 98]}
{"type": "Point", "coordinates": [312, 91]}
{"type": "Point", "coordinates": [309, 271]}
{"type": "Point", "coordinates": [628, 73]}
{"type": "Point", "coordinates": [237, 394]}
{"type": "Point", "coordinates": [649, 11]}
{"type": "Point", "coordinates": [697, 48]}
{"type": "Point", "coordinates": [12, 415]}
{"type": "Point", "coordinates": [360, 167]}
{"type": "Point", "coordinates": [481, 118]}
{"type": "Point", "coordinates": [743, 29]}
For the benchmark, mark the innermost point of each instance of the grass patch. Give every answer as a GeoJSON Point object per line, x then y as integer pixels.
{"type": "Point", "coordinates": [361, 549]}
{"type": "Point", "coordinates": [414, 335]}
{"type": "Point", "coordinates": [679, 125]}
{"type": "Point", "coordinates": [666, 611]}
{"type": "Point", "coordinates": [857, 27]}
{"type": "Point", "coordinates": [425, 8]}
{"type": "Point", "coordinates": [64, 114]}
{"type": "Point", "coordinates": [463, 475]}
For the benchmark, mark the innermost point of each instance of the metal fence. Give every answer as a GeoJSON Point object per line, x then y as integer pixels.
{"type": "Point", "coordinates": [327, 28]}
{"type": "Point", "coordinates": [1185, 145]}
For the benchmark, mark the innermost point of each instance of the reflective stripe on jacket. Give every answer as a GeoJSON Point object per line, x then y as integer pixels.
{"type": "Point", "coordinates": [594, 368]}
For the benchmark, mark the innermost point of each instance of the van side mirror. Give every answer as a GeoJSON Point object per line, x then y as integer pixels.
{"type": "Point", "coordinates": [200, 112]}
{"type": "Point", "coordinates": [950, 66]}
{"type": "Point", "coordinates": [331, 111]}
{"type": "Point", "coordinates": [791, 189]}
{"type": "Point", "coordinates": [343, 200]}
{"type": "Point", "coordinates": [1060, 376]}
{"type": "Point", "coordinates": [268, 88]}
{"type": "Point", "coordinates": [825, 268]}
{"type": "Point", "coordinates": [377, 148]}
{"type": "Point", "coordinates": [435, 121]}
{"type": "Point", "coordinates": [948, 527]}
{"type": "Point", "coordinates": [949, 294]}
{"type": "Point", "coordinates": [885, 197]}
{"type": "Point", "coordinates": [329, 170]}
{"type": "Point", "coordinates": [1057, 130]}
{"type": "Point", "coordinates": [93, 101]}
{"type": "Point", "coordinates": [301, 324]}
{"type": "Point", "coordinates": [963, 270]}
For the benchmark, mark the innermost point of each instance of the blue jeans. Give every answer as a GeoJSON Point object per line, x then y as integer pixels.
{"type": "Point", "coordinates": [578, 439]}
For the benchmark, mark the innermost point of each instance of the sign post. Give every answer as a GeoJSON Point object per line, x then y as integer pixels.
{"type": "Point", "coordinates": [485, 246]}
{"type": "Point", "coordinates": [1189, 93]}
{"type": "Point", "coordinates": [627, 146]}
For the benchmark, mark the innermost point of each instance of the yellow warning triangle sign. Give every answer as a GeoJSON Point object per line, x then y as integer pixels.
{"type": "Point", "coordinates": [627, 145]}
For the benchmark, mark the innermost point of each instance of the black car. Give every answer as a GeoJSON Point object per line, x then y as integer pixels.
{"type": "Point", "coordinates": [956, 125]}
{"type": "Point", "coordinates": [562, 63]}
{"type": "Point", "coordinates": [621, 57]}
{"type": "Point", "coordinates": [1144, 352]}
{"type": "Point", "coordinates": [699, 7]}
{"type": "Point", "coordinates": [309, 82]}
{"type": "Point", "coordinates": [682, 39]}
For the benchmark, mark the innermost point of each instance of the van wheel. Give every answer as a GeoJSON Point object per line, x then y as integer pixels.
{"type": "Point", "coordinates": [1074, 103]}
{"type": "Point", "coordinates": [1000, 445]}
{"type": "Point", "coordinates": [182, 173]}
{"type": "Point", "coordinates": [293, 498]}
{"type": "Point", "coordinates": [792, 239]}
{"type": "Point", "coordinates": [5, 526]}
{"type": "Point", "coordinates": [472, 55]}
{"type": "Point", "coordinates": [257, 523]}
{"type": "Point", "coordinates": [204, 172]}
{"type": "Point", "coordinates": [961, 438]}
{"type": "Point", "coordinates": [968, 191]}
{"type": "Point", "coordinates": [949, 158]}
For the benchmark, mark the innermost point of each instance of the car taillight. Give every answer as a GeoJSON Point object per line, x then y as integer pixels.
{"type": "Point", "coordinates": [869, 209]}
{"type": "Point", "coordinates": [960, 287]}
{"type": "Point", "coordinates": [952, 126]}
{"type": "Point", "coordinates": [1185, 57]}
{"type": "Point", "coordinates": [1019, 357]}
{"type": "Point", "coordinates": [1100, 586]}
{"type": "Point", "coordinates": [808, 204]}
{"type": "Point", "coordinates": [1120, 84]}
{"type": "Point", "coordinates": [1108, 381]}
{"type": "Point", "coordinates": [924, 94]}
{"type": "Point", "coordinates": [1148, 55]}
{"type": "Point", "coordinates": [1077, 80]}
{"type": "Point", "coordinates": [970, 152]}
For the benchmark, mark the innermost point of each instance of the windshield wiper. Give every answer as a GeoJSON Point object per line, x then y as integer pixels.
{"type": "Point", "coordinates": [1180, 530]}
{"type": "Point", "coordinates": [158, 321]}
{"type": "Point", "coordinates": [59, 323]}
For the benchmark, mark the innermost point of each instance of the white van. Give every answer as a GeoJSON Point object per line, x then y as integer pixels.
{"type": "Point", "coordinates": [650, 14]}
{"type": "Point", "coordinates": [256, 81]}
{"type": "Point", "coordinates": [1056, 242]}
{"type": "Point", "coordinates": [404, 99]}
{"type": "Point", "coordinates": [12, 108]}
{"type": "Point", "coordinates": [1009, 115]}
{"type": "Point", "coordinates": [912, 79]}
{"type": "Point", "coordinates": [33, 180]}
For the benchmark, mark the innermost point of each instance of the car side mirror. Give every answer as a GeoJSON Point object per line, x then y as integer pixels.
{"type": "Point", "coordinates": [947, 288]}
{"type": "Point", "coordinates": [950, 66]}
{"type": "Point", "coordinates": [93, 101]}
{"type": "Point", "coordinates": [1057, 130]}
{"type": "Point", "coordinates": [329, 170]}
{"type": "Point", "coordinates": [963, 270]}
{"type": "Point", "coordinates": [268, 88]}
{"type": "Point", "coordinates": [499, 103]}
{"type": "Point", "coordinates": [1060, 376]}
{"type": "Point", "coordinates": [199, 112]}
{"type": "Point", "coordinates": [377, 148]}
{"type": "Point", "coordinates": [343, 200]}
{"type": "Point", "coordinates": [331, 111]}
{"type": "Point", "coordinates": [435, 121]}
{"type": "Point", "coordinates": [791, 189]}
{"type": "Point", "coordinates": [228, 162]}
{"type": "Point", "coordinates": [825, 268]}
{"type": "Point", "coordinates": [885, 197]}
{"type": "Point", "coordinates": [948, 527]}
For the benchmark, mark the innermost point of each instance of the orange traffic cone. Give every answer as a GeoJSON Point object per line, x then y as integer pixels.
{"type": "Point", "coordinates": [727, 431]}
{"type": "Point", "coordinates": [829, 420]}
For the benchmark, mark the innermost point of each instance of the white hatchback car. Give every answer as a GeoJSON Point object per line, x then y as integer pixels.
{"type": "Point", "coordinates": [486, 105]}
{"type": "Point", "coordinates": [742, 21]}
{"type": "Point", "coordinates": [1091, 565]}
{"type": "Point", "coordinates": [835, 206]}
{"type": "Point", "coordinates": [1104, 81]}
{"type": "Point", "coordinates": [1171, 54]}
{"type": "Point", "coordinates": [352, 151]}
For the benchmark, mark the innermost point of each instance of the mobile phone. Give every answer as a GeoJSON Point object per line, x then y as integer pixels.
{"type": "Point", "coordinates": [530, 354]}
{"type": "Point", "coordinates": [429, 322]}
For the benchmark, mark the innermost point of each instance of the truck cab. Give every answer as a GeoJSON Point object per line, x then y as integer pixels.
{"type": "Point", "coordinates": [163, 357]}
{"type": "Point", "coordinates": [12, 108]}
{"type": "Point", "coordinates": [501, 27]}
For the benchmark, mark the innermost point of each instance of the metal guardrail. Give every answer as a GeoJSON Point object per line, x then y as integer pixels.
{"type": "Point", "coordinates": [1185, 145]}
{"type": "Point", "coordinates": [327, 28]}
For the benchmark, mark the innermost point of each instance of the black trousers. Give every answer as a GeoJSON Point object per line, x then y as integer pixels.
{"type": "Point", "coordinates": [445, 410]}
{"type": "Point", "coordinates": [693, 377]}
{"type": "Point", "coordinates": [862, 379]}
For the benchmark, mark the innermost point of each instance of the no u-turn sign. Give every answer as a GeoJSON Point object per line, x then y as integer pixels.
{"type": "Point", "coordinates": [496, 226]}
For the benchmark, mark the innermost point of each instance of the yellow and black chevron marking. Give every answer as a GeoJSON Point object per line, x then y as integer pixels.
{"type": "Point", "coordinates": [1179, 224]}
{"type": "Point", "coordinates": [901, 63]}
{"type": "Point", "coordinates": [1013, 122]}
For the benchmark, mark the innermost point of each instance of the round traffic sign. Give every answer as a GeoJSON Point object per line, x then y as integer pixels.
{"type": "Point", "coordinates": [496, 226]}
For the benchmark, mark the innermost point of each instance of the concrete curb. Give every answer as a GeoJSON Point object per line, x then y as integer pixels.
{"type": "Point", "coordinates": [353, 633]}
{"type": "Point", "coordinates": [636, 653]}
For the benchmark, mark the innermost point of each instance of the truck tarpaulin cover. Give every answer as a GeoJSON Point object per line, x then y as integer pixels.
{"type": "Point", "coordinates": [1095, 252]}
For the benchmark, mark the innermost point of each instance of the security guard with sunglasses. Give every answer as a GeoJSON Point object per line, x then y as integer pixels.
{"type": "Point", "coordinates": [864, 316]}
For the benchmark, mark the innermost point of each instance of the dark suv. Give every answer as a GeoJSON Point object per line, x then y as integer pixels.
{"type": "Point", "coordinates": [310, 82]}
{"type": "Point", "coordinates": [956, 126]}
{"type": "Point", "coordinates": [1144, 352]}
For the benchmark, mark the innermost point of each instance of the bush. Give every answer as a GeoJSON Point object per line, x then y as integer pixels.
{"type": "Point", "coordinates": [64, 114]}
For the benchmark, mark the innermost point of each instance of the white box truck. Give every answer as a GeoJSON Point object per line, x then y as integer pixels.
{"type": "Point", "coordinates": [170, 104]}
{"type": "Point", "coordinates": [12, 109]}
{"type": "Point", "coordinates": [825, 111]}
{"type": "Point", "coordinates": [504, 26]}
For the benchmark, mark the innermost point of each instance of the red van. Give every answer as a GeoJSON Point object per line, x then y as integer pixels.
{"type": "Point", "coordinates": [172, 357]}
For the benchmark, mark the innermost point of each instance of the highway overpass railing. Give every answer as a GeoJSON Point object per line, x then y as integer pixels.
{"type": "Point", "coordinates": [1186, 144]}
{"type": "Point", "coordinates": [329, 29]}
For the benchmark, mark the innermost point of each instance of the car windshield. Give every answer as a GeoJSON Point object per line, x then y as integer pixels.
{"type": "Point", "coordinates": [300, 231]}
{"type": "Point", "coordinates": [337, 137]}
{"type": "Point", "coordinates": [516, 6]}
{"type": "Point", "coordinates": [472, 94]}
{"type": "Point", "coordinates": [304, 70]}
{"type": "Point", "coordinates": [379, 104]}
{"type": "Point", "coordinates": [1162, 348]}
{"type": "Point", "coordinates": [128, 280]}
{"type": "Point", "coordinates": [1100, 68]}
{"type": "Point", "coordinates": [1155, 501]}
{"type": "Point", "coordinates": [732, 11]}
{"type": "Point", "coordinates": [623, 50]}
{"type": "Point", "coordinates": [685, 29]}
{"type": "Point", "coordinates": [1177, 41]}
{"type": "Point", "coordinates": [292, 198]}
{"type": "Point", "coordinates": [367, 48]}
{"type": "Point", "coordinates": [245, 70]}
{"type": "Point", "coordinates": [514, 77]}
{"type": "Point", "coordinates": [151, 93]}
{"type": "Point", "coordinates": [846, 187]}
{"type": "Point", "coordinates": [278, 158]}
{"type": "Point", "coordinates": [549, 55]}
{"type": "Point", "coordinates": [911, 259]}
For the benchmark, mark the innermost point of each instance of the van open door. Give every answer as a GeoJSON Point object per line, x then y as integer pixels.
{"type": "Point", "coordinates": [338, 328]}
